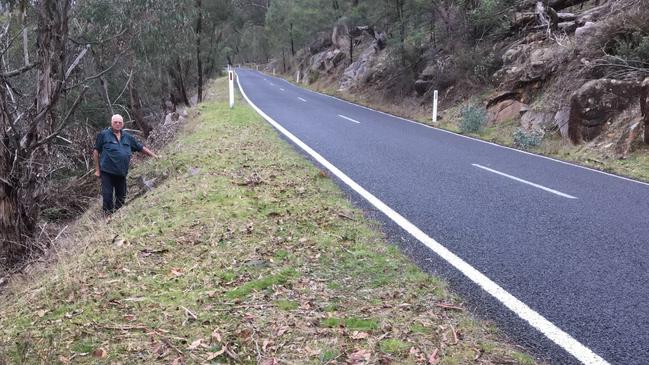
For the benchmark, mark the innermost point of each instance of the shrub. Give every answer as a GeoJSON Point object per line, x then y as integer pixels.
{"type": "Point", "coordinates": [527, 139]}
{"type": "Point", "coordinates": [473, 118]}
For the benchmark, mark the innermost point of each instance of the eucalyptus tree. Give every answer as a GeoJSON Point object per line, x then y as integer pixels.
{"type": "Point", "coordinates": [37, 79]}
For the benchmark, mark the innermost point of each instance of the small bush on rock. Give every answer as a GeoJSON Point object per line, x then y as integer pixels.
{"type": "Point", "coordinates": [527, 139]}
{"type": "Point", "coordinates": [473, 118]}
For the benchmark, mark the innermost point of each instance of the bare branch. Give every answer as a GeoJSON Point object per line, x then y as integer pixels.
{"type": "Point", "coordinates": [64, 122]}
{"type": "Point", "coordinates": [19, 71]}
{"type": "Point", "coordinates": [102, 73]}
{"type": "Point", "coordinates": [99, 41]}
{"type": "Point", "coordinates": [76, 61]}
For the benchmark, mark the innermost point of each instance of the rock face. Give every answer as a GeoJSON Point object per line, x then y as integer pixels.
{"type": "Point", "coordinates": [595, 103]}
{"type": "Point", "coordinates": [369, 65]}
{"type": "Point", "coordinates": [535, 120]}
{"type": "Point", "coordinates": [524, 64]}
{"type": "Point", "coordinates": [504, 111]}
{"type": "Point", "coordinates": [321, 43]}
{"type": "Point", "coordinates": [561, 121]}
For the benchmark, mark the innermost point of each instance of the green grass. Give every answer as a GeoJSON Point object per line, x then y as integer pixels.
{"type": "Point", "coordinates": [394, 346]}
{"type": "Point", "coordinates": [351, 323]}
{"type": "Point", "coordinates": [243, 247]}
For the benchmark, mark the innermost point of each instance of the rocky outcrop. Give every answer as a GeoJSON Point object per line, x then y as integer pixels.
{"type": "Point", "coordinates": [595, 103]}
{"type": "Point", "coordinates": [505, 111]}
{"type": "Point", "coordinates": [538, 120]}
{"type": "Point", "coordinates": [527, 63]}
{"type": "Point", "coordinates": [369, 65]}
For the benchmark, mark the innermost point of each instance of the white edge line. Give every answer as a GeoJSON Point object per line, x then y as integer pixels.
{"type": "Point", "coordinates": [525, 181]}
{"type": "Point", "coordinates": [551, 331]}
{"type": "Point", "coordinates": [349, 119]}
{"type": "Point", "coordinates": [304, 100]}
{"type": "Point", "coordinates": [476, 139]}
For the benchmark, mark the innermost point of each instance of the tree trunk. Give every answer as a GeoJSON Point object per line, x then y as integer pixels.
{"type": "Point", "coordinates": [176, 73]}
{"type": "Point", "coordinates": [23, 156]}
{"type": "Point", "coordinates": [136, 110]}
{"type": "Point", "coordinates": [292, 44]}
{"type": "Point", "coordinates": [199, 64]}
{"type": "Point", "coordinates": [284, 59]}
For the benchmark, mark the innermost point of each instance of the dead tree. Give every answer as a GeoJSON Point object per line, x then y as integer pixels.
{"type": "Point", "coordinates": [29, 124]}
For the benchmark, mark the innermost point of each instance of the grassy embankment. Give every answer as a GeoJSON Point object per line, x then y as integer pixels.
{"type": "Point", "coordinates": [245, 253]}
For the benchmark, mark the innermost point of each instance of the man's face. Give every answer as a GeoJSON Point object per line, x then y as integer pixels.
{"type": "Point", "coordinates": [117, 124]}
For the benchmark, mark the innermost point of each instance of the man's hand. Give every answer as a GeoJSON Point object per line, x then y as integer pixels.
{"type": "Point", "coordinates": [149, 152]}
{"type": "Point", "coordinates": [97, 173]}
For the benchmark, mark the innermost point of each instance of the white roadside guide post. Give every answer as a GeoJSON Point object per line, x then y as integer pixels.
{"type": "Point", "coordinates": [297, 77]}
{"type": "Point", "coordinates": [273, 71]}
{"type": "Point", "coordinates": [435, 106]}
{"type": "Point", "coordinates": [231, 87]}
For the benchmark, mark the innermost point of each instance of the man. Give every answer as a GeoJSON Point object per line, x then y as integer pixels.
{"type": "Point", "coordinates": [112, 154]}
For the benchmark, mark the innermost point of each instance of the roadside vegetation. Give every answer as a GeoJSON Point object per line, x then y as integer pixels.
{"type": "Point", "coordinates": [245, 253]}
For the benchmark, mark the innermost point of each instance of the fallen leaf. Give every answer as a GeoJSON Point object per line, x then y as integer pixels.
{"type": "Point", "coordinates": [176, 271]}
{"type": "Point", "coordinates": [432, 359]}
{"type": "Point", "coordinates": [360, 357]}
{"type": "Point", "coordinates": [272, 361]}
{"type": "Point", "coordinates": [359, 335]}
{"type": "Point", "coordinates": [64, 360]}
{"type": "Point", "coordinates": [216, 336]}
{"type": "Point", "coordinates": [41, 313]}
{"type": "Point", "coordinates": [196, 344]}
{"type": "Point", "coordinates": [265, 344]}
{"type": "Point", "coordinates": [178, 361]}
{"type": "Point", "coordinates": [214, 355]}
{"type": "Point", "coordinates": [100, 353]}
{"type": "Point", "coordinates": [282, 331]}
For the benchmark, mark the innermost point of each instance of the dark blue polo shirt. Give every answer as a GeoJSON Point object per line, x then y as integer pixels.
{"type": "Point", "coordinates": [114, 155]}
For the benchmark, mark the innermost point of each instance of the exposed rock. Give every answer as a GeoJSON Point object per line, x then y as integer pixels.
{"type": "Point", "coordinates": [567, 27]}
{"type": "Point", "coordinates": [561, 121]}
{"type": "Point", "coordinates": [567, 17]}
{"type": "Point", "coordinates": [340, 37]}
{"type": "Point", "coordinates": [524, 64]}
{"type": "Point", "coordinates": [534, 120]}
{"type": "Point", "coordinates": [366, 67]}
{"type": "Point", "coordinates": [504, 111]}
{"type": "Point", "coordinates": [586, 31]}
{"type": "Point", "coordinates": [497, 97]}
{"type": "Point", "coordinates": [595, 103]}
{"type": "Point", "coordinates": [630, 134]}
{"type": "Point", "coordinates": [422, 86]}
{"type": "Point", "coordinates": [321, 43]}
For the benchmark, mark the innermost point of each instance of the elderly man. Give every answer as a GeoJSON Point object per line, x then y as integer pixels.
{"type": "Point", "coordinates": [112, 154]}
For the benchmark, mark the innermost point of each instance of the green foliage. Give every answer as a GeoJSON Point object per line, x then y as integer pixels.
{"type": "Point", "coordinates": [350, 323]}
{"type": "Point", "coordinates": [394, 346]}
{"type": "Point", "coordinates": [488, 18]}
{"type": "Point", "coordinates": [527, 139]}
{"type": "Point", "coordinates": [634, 48]}
{"type": "Point", "coordinates": [474, 118]}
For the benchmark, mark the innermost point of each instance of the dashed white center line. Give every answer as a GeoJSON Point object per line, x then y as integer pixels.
{"type": "Point", "coordinates": [525, 182]}
{"type": "Point", "coordinates": [349, 119]}
{"type": "Point", "coordinates": [304, 100]}
{"type": "Point", "coordinates": [271, 84]}
{"type": "Point", "coordinates": [281, 88]}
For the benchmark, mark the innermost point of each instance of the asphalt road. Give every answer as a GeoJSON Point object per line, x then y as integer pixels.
{"type": "Point", "coordinates": [570, 243]}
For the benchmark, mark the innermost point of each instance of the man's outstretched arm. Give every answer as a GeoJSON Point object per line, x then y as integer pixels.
{"type": "Point", "coordinates": [95, 156]}
{"type": "Point", "coordinates": [149, 152]}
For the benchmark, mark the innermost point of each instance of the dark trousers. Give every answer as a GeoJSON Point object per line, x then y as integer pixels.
{"type": "Point", "coordinates": [112, 186]}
